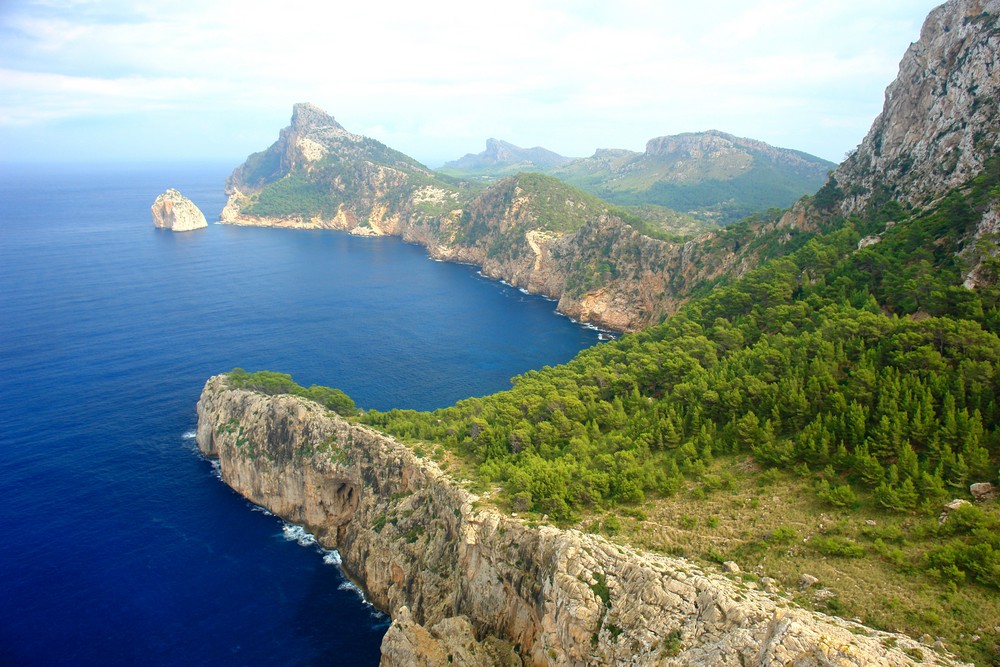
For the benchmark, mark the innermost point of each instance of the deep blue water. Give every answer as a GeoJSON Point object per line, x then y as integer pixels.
{"type": "Point", "coordinates": [119, 545]}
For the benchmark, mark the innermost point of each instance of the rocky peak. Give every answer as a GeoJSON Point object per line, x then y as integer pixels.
{"type": "Point", "coordinates": [939, 121]}
{"type": "Point", "coordinates": [501, 153]}
{"type": "Point", "coordinates": [690, 144]}
{"type": "Point", "coordinates": [716, 145]}
{"type": "Point", "coordinates": [613, 153]}
{"type": "Point", "coordinates": [306, 117]}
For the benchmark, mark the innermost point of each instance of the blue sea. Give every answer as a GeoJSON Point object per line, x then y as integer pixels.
{"type": "Point", "coordinates": [120, 545]}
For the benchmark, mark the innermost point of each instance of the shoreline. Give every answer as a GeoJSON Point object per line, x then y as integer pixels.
{"type": "Point", "coordinates": [454, 571]}
{"type": "Point", "coordinates": [228, 217]}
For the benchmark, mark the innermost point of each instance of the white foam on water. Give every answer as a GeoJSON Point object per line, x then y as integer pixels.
{"type": "Point", "coordinates": [348, 585]}
{"type": "Point", "coordinates": [298, 534]}
{"type": "Point", "coordinates": [189, 435]}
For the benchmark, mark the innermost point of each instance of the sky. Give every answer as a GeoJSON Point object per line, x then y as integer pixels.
{"type": "Point", "coordinates": [215, 80]}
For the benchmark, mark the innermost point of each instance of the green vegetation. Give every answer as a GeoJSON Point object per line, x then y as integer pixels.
{"type": "Point", "coordinates": [872, 376]}
{"type": "Point", "coordinates": [799, 370]}
{"type": "Point", "coordinates": [348, 175]}
{"type": "Point", "coordinates": [295, 195]}
{"type": "Point", "coordinates": [271, 383]}
{"type": "Point", "coordinates": [853, 383]}
{"type": "Point", "coordinates": [722, 191]}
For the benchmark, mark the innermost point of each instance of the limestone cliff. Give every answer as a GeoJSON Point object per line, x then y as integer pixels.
{"type": "Point", "coordinates": [939, 121]}
{"type": "Point", "coordinates": [529, 230]}
{"type": "Point", "coordinates": [175, 212]}
{"type": "Point", "coordinates": [467, 584]}
{"type": "Point", "coordinates": [604, 266]}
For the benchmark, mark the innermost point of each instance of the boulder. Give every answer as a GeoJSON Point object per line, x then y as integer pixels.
{"type": "Point", "coordinates": [951, 507]}
{"type": "Point", "coordinates": [984, 491]}
{"type": "Point", "coordinates": [175, 212]}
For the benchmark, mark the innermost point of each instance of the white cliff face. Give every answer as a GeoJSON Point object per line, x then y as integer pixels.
{"type": "Point", "coordinates": [939, 122]}
{"type": "Point", "coordinates": [471, 583]}
{"type": "Point", "coordinates": [175, 212]}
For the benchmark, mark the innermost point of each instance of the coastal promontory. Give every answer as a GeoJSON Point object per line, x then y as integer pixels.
{"type": "Point", "coordinates": [175, 212]}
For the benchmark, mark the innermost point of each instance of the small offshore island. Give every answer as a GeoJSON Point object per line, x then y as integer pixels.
{"type": "Point", "coordinates": [806, 399]}
{"type": "Point", "coordinates": [175, 212]}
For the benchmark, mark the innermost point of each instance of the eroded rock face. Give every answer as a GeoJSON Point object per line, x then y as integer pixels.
{"type": "Point", "coordinates": [466, 581]}
{"type": "Point", "coordinates": [939, 121]}
{"type": "Point", "coordinates": [175, 212]}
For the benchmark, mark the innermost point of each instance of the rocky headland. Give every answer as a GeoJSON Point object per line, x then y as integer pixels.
{"type": "Point", "coordinates": [175, 212]}
{"type": "Point", "coordinates": [530, 230]}
{"type": "Point", "coordinates": [468, 584]}
{"type": "Point", "coordinates": [603, 265]}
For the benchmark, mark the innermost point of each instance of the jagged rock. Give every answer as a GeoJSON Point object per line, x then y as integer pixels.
{"type": "Point", "coordinates": [449, 642]}
{"type": "Point", "coordinates": [175, 212]}
{"type": "Point", "coordinates": [648, 284]}
{"type": "Point", "coordinates": [477, 584]}
{"type": "Point", "coordinates": [807, 581]}
{"type": "Point", "coordinates": [983, 491]}
{"type": "Point", "coordinates": [987, 228]}
{"type": "Point", "coordinates": [938, 124]}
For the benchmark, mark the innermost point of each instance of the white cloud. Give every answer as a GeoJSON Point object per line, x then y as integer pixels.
{"type": "Point", "coordinates": [444, 75]}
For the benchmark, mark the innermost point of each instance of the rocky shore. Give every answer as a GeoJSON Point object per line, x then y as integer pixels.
{"type": "Point", "coordinates": [468, 584]}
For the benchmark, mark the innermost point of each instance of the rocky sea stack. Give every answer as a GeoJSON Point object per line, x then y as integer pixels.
{"type": "Point", "coordinates": [175, 212]}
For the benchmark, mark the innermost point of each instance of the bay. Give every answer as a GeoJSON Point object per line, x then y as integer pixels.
{"type": "Point", "coordinates": [121, 546]}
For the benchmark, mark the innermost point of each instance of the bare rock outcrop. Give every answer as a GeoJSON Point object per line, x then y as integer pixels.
{"type": "Point", "coordinates": [939, 121]}
{"type": "Point", "coordinates": [175, 212]}
{"type": "Point", "coordinates": [467, 584]}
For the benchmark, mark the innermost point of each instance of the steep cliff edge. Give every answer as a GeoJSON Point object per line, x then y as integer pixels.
{"type": "Point", "coordinates": [939, 121]}
{"type": "Point", "coordinates": [466, 582]}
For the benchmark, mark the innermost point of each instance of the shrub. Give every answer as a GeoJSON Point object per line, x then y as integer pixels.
{"type": "Point", "coordinates": [838, 547]}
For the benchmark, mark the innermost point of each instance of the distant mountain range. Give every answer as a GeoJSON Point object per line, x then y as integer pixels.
{"type": "Point", "coordinates": [713, 176]}
{"type": "Point", "coordinates": [503, 159]}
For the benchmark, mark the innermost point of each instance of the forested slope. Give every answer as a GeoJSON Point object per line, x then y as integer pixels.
{"type": "Point", "coordinates": [871, 376]}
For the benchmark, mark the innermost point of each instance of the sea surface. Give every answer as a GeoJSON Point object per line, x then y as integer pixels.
{"type": "Point", "coordinates": [120, 546]}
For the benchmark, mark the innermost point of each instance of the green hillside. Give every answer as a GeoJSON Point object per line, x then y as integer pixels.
{"type": "Point", "coordinates": [865, 381]}
{"type": "Point", "coordinates": [712, 176]}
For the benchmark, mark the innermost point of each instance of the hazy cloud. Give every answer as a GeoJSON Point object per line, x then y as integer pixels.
{"type": "Point", "coordinates": [435, 79]}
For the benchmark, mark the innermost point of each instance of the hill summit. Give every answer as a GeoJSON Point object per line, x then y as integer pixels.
{"type": "Point", "coordinates": [502, 158]}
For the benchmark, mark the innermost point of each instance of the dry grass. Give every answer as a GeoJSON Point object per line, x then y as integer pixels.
{"type": "Point", "coordinates": [769, 529]}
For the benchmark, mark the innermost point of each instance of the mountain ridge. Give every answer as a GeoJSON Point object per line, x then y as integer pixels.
{"type": "Point", "coordinates": [502, 157]}
{"type": "Point", "coordinates": [695, 173]}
